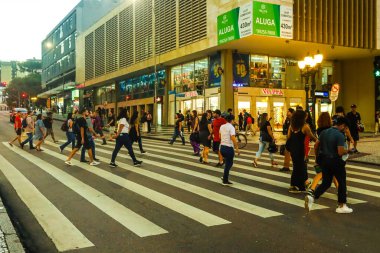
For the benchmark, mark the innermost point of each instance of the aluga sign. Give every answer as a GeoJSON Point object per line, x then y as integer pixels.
{"type": "Point", "coordinates": [255, 18]}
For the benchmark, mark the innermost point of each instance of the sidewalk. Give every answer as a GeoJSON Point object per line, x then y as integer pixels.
{"type": "Point", "coordinates": [9, 240]}
{"type": "Point", "coordinates": [368, 145]}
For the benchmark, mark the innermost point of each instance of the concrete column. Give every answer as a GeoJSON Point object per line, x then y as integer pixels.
{"type": "Point", "coordinates": [226, 88]}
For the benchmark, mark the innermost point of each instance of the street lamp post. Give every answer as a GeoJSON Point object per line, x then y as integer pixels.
{"type": "Point", "coordinates": [309, 68]}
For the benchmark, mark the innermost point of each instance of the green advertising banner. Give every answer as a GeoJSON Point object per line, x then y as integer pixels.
{"type": "Point", "coordinates": [228, 29]}
{"type": "Point", "coordinates": [257, 18]}
{"type": "Point", "coordinates": [266, 19]}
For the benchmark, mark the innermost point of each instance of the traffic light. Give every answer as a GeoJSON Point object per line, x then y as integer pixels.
{"type": "Point", "coordinates": [128, 97]}
{"type": "Point", "coordinates": [24, 95]}
{"type": "Point", "coordinates": [3, 84]}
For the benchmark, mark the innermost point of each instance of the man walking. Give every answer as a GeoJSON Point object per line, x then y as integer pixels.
{"type": "Point", "coordinates": [354, 119]}
{"type": "Point", "coordinates": [18, 129]}
{"type": "Point", "coordinates": [90, 132]}
{"type": "Point", "coordinates": [48, 122]}
{"type": "Point", "coordinates": [29, 130]}
{"type": "Point", "coordinates": [81, 140]}
{"type": "Point", "coordinates": [149, 119]}
{"type": "Point", "coordinates": [329, 150]}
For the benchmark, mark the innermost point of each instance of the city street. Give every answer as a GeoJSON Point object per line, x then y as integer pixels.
{"type": "Point", "coordinates": [175, 204]}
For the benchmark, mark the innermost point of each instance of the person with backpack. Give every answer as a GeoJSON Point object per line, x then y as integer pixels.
{"type": "Point", "coordinates": [149, 120]}
{"type": "Point", "coordinates": [89, 134]}
{"type": "Point", "coordinates": [28, 126]}
{"type": "Point", "coordinates": [48, 122]}
{"type": "Point", "coordinates": [67, 127]}
{"type": "Point", "coordinates": [80, 127]}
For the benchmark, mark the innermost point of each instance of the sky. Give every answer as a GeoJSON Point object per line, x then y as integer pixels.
{"type": "Point", "coordinates": [25, 23]}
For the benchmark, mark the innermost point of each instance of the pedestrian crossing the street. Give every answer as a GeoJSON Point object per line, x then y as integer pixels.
{"type": "Point", "coordinates": [171, 189]}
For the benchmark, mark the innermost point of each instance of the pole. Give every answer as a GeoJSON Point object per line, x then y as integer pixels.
{"type": "Point", "coordinates": [155, 70]}
{"type": "Point", "coordinates": [313, 86]}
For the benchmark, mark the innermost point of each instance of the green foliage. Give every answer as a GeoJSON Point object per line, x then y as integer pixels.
{"type": "Point", "coordinates": [30, 84]}
{"type": "Point", "coordinates": [31, 66]}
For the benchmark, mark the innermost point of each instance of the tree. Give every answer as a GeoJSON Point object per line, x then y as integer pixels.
{"type": "Point", "coordinates": [30, 84]}
{"type": "Point", "coordinates": [31, 66]}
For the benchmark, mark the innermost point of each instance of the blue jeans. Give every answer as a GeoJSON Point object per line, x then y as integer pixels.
{"type": "Point", "coordinates": [123, 140]}
{"type": "Point", "coordinates": [139, 142]}
{"type": "Point", "coordinates": [29, 139]}
{"type": "Point", "coordinates": [176, 134]}
{"type": "Point", "coordinates": [91, 143]}
{"type": "Point", "coordinates": [228, 154]}
{"type": "Point", "coordinates": [70, 139]}
{"type": "Point", "coordinates": [262, 146]}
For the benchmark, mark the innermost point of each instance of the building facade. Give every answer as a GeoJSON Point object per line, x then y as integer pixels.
{"type": "Point", "coordinates": [169, 55]}
{"type": "Point", "coordinates": [59, 53]}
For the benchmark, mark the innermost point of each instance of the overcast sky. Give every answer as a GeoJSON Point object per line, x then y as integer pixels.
{"type": "Point", "coordinates": [25, 23]}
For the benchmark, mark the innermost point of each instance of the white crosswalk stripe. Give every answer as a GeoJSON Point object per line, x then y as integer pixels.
{"type": "Point", "coordinates": [175, 168]}
{"type": "Point", "coordinates": [61, 231]}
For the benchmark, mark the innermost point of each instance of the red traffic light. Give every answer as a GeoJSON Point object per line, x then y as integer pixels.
{"type": "Point", "coordinates": [24, 95]}
{"type": "Point", "coordinates": [127, 97]}
{"type": "Point", "coordinates": [3, 84]}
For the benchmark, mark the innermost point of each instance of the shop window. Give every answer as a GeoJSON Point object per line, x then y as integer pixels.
{"type": "Point", "coordinates": [199, 105]}
{"type": "Point", "coordinates": [259, 70]}
{"type": "Point", "coordinates": [213, 103]}
{"type": "Point", "coordinates": [244, 105]}
{"type": "Point", "coordinates": [293, 76]}
{"type": "Point", "coordinates": [294, 102]}
{"type": "Point", "coordinates": [201, 75]}
{"type": "Point", "coordinates": [176, 77]}
{"type": "Point", "coordinates": [261, 105]}
{"type": "Point", "coordinates": [188, 76]}
{"type": "Point", "coordinates": [277, 72]}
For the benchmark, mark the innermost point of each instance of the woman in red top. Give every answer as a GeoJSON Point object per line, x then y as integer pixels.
{"type": "Point", "coordinates": [18, 129]}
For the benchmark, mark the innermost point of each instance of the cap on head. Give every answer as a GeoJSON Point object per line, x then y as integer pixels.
{"type": "Point", "coordinates": [353, 106]}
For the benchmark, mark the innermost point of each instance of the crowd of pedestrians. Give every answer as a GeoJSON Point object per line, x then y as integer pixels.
{"type": "Point", "coordinates": [216, 131]}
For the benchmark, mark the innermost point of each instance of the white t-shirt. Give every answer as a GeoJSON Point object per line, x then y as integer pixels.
{"type": "Point", "coordinates": [226, 131]}
{"type": "Point", "coordinates": [123, 121]}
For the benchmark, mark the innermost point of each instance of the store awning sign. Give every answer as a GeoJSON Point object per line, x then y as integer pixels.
{"type": "Point", "coordinates": [272, 92]}
{"type": "Point", "coordinates": [187, 94]}
{"type": "Point", "coordinates": [321, 94]}
{"type": "Point", "coordinates": [255, 18]}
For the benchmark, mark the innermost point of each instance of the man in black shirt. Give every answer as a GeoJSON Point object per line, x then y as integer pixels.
{"type": "Point", "coordinates": [81, 139]}
{"type": "Point", "coordinates": [48, 122]}
{"type": "Point", "coordinates": [354, 119]}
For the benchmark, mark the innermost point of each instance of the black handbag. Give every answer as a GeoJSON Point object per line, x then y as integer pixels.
{"type": "Point", "coordinates": [272, 148]}
{"type": "Point", "coordinates": [195, 137]}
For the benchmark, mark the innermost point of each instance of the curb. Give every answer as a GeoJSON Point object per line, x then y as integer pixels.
{"type": "Point", "coordinates": [9, 240]}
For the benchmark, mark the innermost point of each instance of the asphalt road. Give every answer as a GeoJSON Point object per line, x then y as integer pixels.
{"type": "Point", "coordinates": [174, 204]}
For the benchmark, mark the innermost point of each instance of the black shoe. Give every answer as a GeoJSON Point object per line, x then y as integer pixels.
{"type": "Point", "coordinates": [137, 163]}
{"type": "Point", "coordinates": [225, 182]}
{"type": "Point", "coordinates": [183, 144]}
{"type": "Point", "coordinates": [171, 143]}
{"type": "Point", "coordinates": [196, 154]}
{"type": "Point", "coordinates": [307, 160]}
{"type": "Point", "coordinates": [219, 164]}
{"type": "Point", "coordinates": [84, 161]}
{"type": "Point", "coordinates": [143, 152]}
{"type": "Point", "coordinates": [356, 151]}
{"type": "Point", "coordinates": [284, 169]}
{"type": "Point", "coordinates": [96, 159]}
{"type": "Point", "coordinates": [22, 145]}
{"type": "Point", "coordinates": [201, 159]}
{"type": "Point", "coordinates": [112, 165]}
{"type": "Point", "coordinates": [32, 148]}
{"type": "Point", "coordinates": [104, 143]}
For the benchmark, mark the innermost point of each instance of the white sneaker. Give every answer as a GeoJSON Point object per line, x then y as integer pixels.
{"type": "Point", "coordinates": [344, 209]}
{"type": "Point", "coordinates": [68, 163]}
{"type": "Point", "coordinates": [94, 163]}
{"type": "Point", "coordinates": [309, 201]}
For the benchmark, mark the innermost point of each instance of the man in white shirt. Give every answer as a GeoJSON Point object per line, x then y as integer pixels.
{"type": "Point", "coordinates": [227, 144]}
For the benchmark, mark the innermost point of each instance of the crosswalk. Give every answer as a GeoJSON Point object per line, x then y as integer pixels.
{"type": "Point", "coordinates": [172, 183]}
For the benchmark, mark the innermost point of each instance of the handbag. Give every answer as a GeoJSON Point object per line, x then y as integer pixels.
{"type": "Point", "coordinates": [282, 150]}
{"type": "Point", "coordinates": [272, 148]}
{"type": "Point", "coordinates": [194, 136]}
{"type": "Point", "coordinates": [360, 127]}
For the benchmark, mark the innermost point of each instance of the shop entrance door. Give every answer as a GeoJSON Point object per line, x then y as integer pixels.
{"type": "Point", "coordinates": [159, 114]}
{"type": "Point", "coordinates": [244, 103]}
{"type": "Point", "coordinates": [278, 113]}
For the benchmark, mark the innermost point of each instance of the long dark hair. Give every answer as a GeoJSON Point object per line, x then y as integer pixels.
{"type": "Point", "coordinates": [263, 119]}
{"type": "Point", "coordinates": [123, 114]}
{"type": "Point", "coordinates": [69, 115]}
{"type": "Point", "coordinates": [39, 116]}
{"type": "Point", "coordinates": [203, 119]}
{"type": "Point", "coordinates": [298, 120]}
{"type": "Point", "coordinates": [135, 115]}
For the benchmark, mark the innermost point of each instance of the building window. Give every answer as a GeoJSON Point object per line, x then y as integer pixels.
{"type": "Point", "coordinates": [276, 72]}
{"type": "Point", "coordinates": [259, 70]}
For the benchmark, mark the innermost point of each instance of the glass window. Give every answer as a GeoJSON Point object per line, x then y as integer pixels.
{"type": "Point", "coordinates": [277, 72]}
{"type": "Point", "coordinates": [201, 74]}
{"type": "Point", "coordinates": [293, 76]}
{"type": "Point", "coordinates": [259, 70]}
{"type": "Point", "coordinates": [176, 77]}
{"type": "Point", "coordinates": [188, 76]}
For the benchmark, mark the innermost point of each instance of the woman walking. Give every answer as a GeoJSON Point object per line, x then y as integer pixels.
{"type": "Point", "coordinates": [296, 146]}
{"type": "Point", "coordinates": [205, 136]}
{"type": "Point", "coordinates": [227, 144]}
{"type": "Point", "coordinates": [69, 133]}
{"type": "Point", "coordinates": [123, 139]}
{"type": "Point", "coordinates": [178, 129]}
{"type": "Point", "coordinates": [266, 137]}
{"type": "Point", "coordinates": [134, 132]}
{"type": "Point", "coordinates": [39, 132]}
{"type": "Point", "coordinates": [194, 141]}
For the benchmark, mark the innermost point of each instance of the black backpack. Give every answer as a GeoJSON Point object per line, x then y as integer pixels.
{"type": "Point", "coordinates": [24, 123]}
